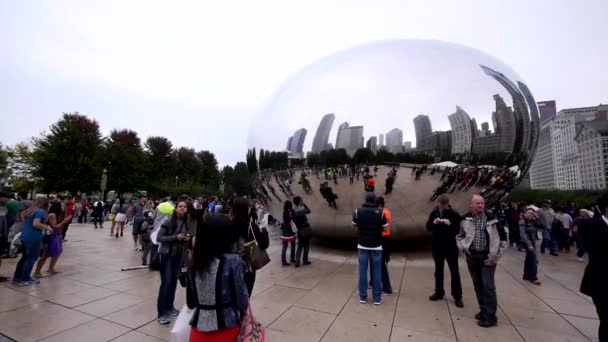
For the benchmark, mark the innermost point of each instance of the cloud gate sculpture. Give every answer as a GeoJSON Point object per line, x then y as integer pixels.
{"type": "Point", "coordinates": [422, 118]}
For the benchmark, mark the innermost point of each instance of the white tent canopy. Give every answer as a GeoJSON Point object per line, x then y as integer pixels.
{"type": "Point", "coordinates": [446, 164]}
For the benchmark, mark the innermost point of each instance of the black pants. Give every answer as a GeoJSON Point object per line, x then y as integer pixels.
{"type": "Point", "coordinates": [64, 232]}
{"type": "Point", "coordinates": [249, 281]}
{"type": "Point", "coordinates": [441, 254]}
{"type": "Point", "coordinates": [303, 246]}
{"type": "Point", "coordinates": [483, 282]}
{"type": "Point", "coordinates": [601, 305]}
{"type": "Point", "coordinates": [284, 251]}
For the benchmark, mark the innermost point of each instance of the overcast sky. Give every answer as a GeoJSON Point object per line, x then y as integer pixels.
{"type": "Point", "coordinates": [197, 72]}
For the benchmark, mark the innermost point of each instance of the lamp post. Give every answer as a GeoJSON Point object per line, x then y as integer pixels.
{"type": "Point", "coordinates": [104, 183]}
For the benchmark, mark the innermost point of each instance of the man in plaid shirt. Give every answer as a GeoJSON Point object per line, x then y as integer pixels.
{"type": "Point", "coordinates": [482, 238]}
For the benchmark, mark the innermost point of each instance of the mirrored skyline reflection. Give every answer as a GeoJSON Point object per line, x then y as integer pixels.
{"type": "Point", "coordinates": [444, 99]}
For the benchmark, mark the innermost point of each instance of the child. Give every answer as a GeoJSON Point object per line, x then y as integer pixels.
{"type": "Point", "coordinates": [146, 230]}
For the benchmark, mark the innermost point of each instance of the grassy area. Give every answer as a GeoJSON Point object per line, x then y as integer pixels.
{"type": "Point", "coordinates": [581, 197]}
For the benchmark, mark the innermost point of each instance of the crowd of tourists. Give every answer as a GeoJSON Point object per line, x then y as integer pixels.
{"type": "Point", "coordinates": [214, 247]}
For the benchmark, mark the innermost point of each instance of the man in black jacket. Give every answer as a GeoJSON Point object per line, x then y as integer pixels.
{"type": "Point", "coordinates": [370, 222]}
{"type": "Point", "coordinates": [594, 233]}
{"type": "Point", "coordinates": [444, 224]}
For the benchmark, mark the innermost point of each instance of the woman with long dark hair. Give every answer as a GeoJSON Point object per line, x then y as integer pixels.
{"type": "Point", "coordinates": [34, 227]}
{"type": "Point", "coordinates": [52, 245]}
{"type": "Point", "coordinates": [173, 238]}
{"type": "Point", "coordinates": [244, 232]}
{"type": "Point", "coordinates": [216, 288]}
{"type": "Point", "coordinates": [288, 236]}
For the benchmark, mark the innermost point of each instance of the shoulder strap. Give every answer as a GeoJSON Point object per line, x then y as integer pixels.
{"type": "Point", "coordinates": [219, 309]}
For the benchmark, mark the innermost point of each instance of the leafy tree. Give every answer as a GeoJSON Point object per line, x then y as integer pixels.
{"type": "Point", "coordinates": [364, 155]}
{"type": "Point", "coordinates": [241, 180]}
{"type": "Point", "coordinates": [67, 158]}
{"type": "Point", "coordinates": [227, 175]}
{"type": "Point", "coordinates": [187, 165]}
{"type": "Point", "coordinates": [3, 165]}
{"type": "Point", "coordinates": [20, 168]}
{"type": "Point", "coordinates": [209, 173]}
{"type": "Point", "coordinates": [126, 160]}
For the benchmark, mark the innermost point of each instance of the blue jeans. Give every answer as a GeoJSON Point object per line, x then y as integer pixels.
{"type": "Point", "coordinates": [373, 259]}
{"type": "Point", "coordinates": [31, 252]}
{"type": "Point", "coordinates": [483, 282]}
{"type": "Point", "coordinates": [284, 251]}
{"type": "Point", "coordinates": [170, 268]}
{"type": "Point", "coordinates": [549, 241]}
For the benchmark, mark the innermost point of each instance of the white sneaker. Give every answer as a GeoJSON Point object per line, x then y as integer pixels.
{"type": "Point", "coordinates": [580, 259]}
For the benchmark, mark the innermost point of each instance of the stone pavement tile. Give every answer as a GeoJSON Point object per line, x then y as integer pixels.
{"type": "Point", "coordinates": [158, 330]}
{"type": "Point", "coordinates": [47, 290]}
{"type": "Point", "coordinates": [468, 330]}
{"type": "Point", "coordinates": [82, 297]}
{"type": "Point", "coordinates": [281, 295]}
{"type": "Point", "coordinates": [102, 278]}
{"type": "Point", "coordinates": [511, 298]}
{"type": "Point", "coordinates": [404, 335]}
{"type": "Point", "coordinates": [12, 299]}
{"type": "Point", "coordinates": [533, 319]}
{"type": "Point", "coordinates": [471, 308]}
{"type": "Point", "coordinates": [589, 327]}
{"type": "Point", "coordinates": [260, 286]}
{"type": "Point", "coordinates": [136, 336]}
{"type": "Point", "coordinates": [40, 320]}
{"type": "Point", "coordinates": [135, 316]}
{"type": "Point", "coordinates": [51, 283]}
{"type": "Point", "coordinates": [267, 312]}
{"type": "Point", "coordinates": [579, 307]}
{"type": "Point", "coordinates": [132, 283]}
{"type": "Point", "coordinates": [109, 304]}
{"type": "Point", "coordinates": [98, 330]}
{"type": "Point", "coordinates": [275, 272]}
{"type": "Point", "coordinates": [426, 317]}
{"type": "Point", "coordinates": [378, 314]}
{"type": "Point", "coordinates": [305, 323]}
{"type": "Point", "coordinates": [330, 295]}
{"type": "Point", "coordinates": [539, 335]}
{"type": "Point", "coordinates": [305, 279]}
{"type": "Point", "coordinates": [148, 290]}
{"type": "Point", "coordinates": [349, 329]}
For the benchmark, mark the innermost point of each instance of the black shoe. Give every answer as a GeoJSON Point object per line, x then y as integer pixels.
{"type": "Point", "coordinates": [486, 324]}
{"type": "Point", "coordinates": [458, 302]}
{"type": "Point", "coordinates": [307, 262]}
{"type": "Point", "coordinates": [297, 264]}
{"type": "Point", "coordinates": [117, 235]}
{"type": "Point", "coordinates": [285, 264]}
{"type": "Point", "coordinates": [554, 254]}
{"type": "Point", "coordinates": [478, 316]}
{"type": "Point", "coordinates": [435, 297]}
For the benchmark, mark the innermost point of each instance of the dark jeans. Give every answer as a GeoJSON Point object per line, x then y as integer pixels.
{"type": "Point", "coordinates": [514, 234]}
{"type": "Point", "coordinates": [170, 268]}
{"type": "Point", "coordinates": [64, 232]}
{"type": "Point", "coordinates": [483, 282]}
{"type": "Point", "coordinates": [303, 246]}
{"type": "Point", "coordinates": [147, 248]}
{"type": "Point", "coordinates": [31, 252]}
{"type": "Point", "coordinates": [601, 305]}
{"type": "Point", "coordinates": [249, 281]}
{"type": "Point", "coordinates": [82, 218]}
{"type": "Point", "coordinates": [373, 258]}
{"type": "Point", "coordinates": [284, 251]}
{"type": "Point", "coordinates": [449, 254]}
{"type": "Point", "coordinates": [530, 265]}
{"type": "Point", "coordinates": [580, 247]}
{"type": "Point", "coordinates": [98, 218]}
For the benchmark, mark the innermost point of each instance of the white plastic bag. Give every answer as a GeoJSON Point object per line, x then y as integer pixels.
{"type": "Point", "coordinates": [181, 329]}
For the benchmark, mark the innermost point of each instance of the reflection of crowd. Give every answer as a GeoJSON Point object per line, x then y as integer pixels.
{"type": "Point", "coordinates": [496, 182]}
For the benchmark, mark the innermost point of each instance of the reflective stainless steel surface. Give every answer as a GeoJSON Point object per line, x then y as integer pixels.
{"type": "Point", "coordinates": [407, 103]}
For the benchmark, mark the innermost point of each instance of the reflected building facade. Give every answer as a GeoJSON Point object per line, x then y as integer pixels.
{"type": "Point", "coordinates": [321, 139]}
{"type": "Point", "coordinates": [342, 127]}
{"type": "Point", "coordinates": [547, 110]}
{"type": "Point", "coordinates": [372, 144]}
{"type": "Point", "coordinates": [394, 141]}
{"type": "Point", "coordinates": [351, 139]}
{"type": "Point", "coordinates": [462, 132]}
{"type": "Point", "coordinates": [423, 130]}
{"type": "Point", "coordinates": [295, 144]}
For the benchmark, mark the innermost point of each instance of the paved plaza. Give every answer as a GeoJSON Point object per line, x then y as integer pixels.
{"type": "Point", "coordinates": [92, 300]}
